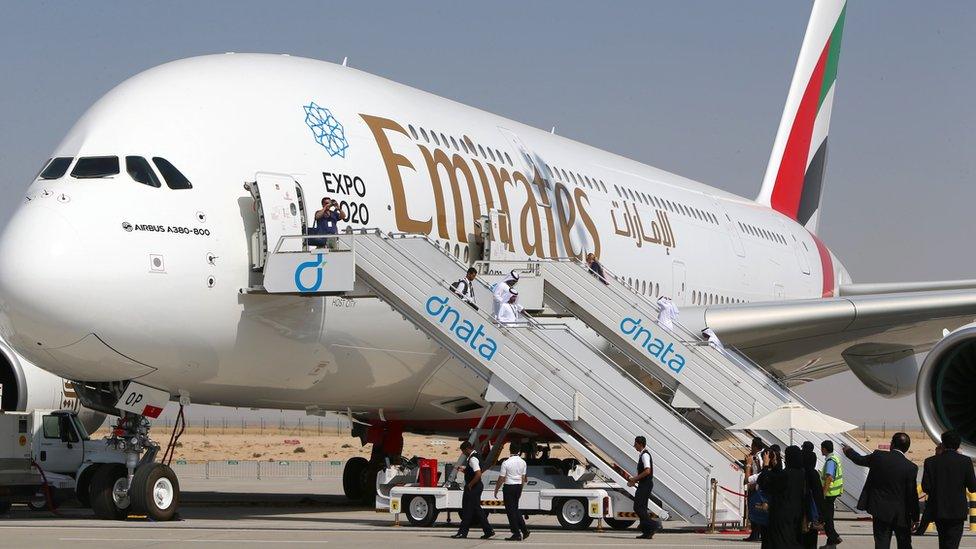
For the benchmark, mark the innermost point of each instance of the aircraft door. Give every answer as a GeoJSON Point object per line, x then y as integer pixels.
{"type": "Point", "coordinates": [280, 206]}
{"type": "Point", "coordinates": [529, 163]}
{"type": "Point", "coordinates": [800, 249]}
{"type": "Point", "coordinates": [678, 281]}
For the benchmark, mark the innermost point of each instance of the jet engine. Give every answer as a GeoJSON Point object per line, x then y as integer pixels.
{"type": "Point", "coordinates": [24, 386]}
{"type": "Point", "coordinates": [944, 391]}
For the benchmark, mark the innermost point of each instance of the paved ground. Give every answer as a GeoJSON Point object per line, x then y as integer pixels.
{"type": "Point", "coordinates": [308, 514]}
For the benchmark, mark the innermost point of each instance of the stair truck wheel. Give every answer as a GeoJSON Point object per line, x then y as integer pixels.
{"type": "Point", "coordinates": [618, 524]}
{"type": "Point", "coordinates": [107, 495]}
{"type": "Point", "coordinates": [572, 514]}
{"type": "Point", "coordinates": [420, 510]}
{"type": "Point", "coordinates": [352, 477]}
{"type": "Point", "coordinates": [155, 492]}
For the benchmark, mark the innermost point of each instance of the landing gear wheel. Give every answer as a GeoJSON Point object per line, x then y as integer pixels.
{"type": "Point", "coordinates": [108, 497]}
{"type": "Point", "coordinates": [420, 510]}
{"type": "Point", "coordinates": [368, 483]}
{"type": "Point", "coordinates": [572, 514]}
{"type": "Point", "coordinates": [155, 492]}
{"type": "Point", "coordinates": [353, 475]}
{"type": "Point", "coordinates": [619, 524]}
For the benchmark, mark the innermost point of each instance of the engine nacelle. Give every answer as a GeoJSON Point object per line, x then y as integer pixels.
{"type": "Point", "coordinates": [888, 370]}
{"type": "Point", "coordinates": [945, 390]}
{"type": "Point", "coordinates": [27, 387]}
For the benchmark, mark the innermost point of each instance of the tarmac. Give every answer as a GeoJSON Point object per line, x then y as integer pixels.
{"type": "Point", "coordinates": [219, 513]}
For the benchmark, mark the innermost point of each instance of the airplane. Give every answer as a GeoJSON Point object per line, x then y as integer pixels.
{"type": "Point", "coordinates": [127, 256]}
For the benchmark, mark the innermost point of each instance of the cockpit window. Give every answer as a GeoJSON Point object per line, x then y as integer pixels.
{"type": "Point", "coordinates": [174, 178]}
{"type": "Point", "coordinates": [140, 170]}
{"type": "Point", "coordinates": [56, 168]}
{"type": "Point", "coordinates": [95, 166]}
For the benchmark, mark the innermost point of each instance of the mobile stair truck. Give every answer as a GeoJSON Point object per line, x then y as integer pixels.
{"type": "Point", "coordinates": [46, 456]}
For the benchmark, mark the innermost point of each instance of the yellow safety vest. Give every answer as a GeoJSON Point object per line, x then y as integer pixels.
{"type": "Point", "coordinates": [836, 487]}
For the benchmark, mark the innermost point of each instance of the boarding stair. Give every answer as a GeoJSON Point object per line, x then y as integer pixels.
{"type": "Point", "coordinates": [547, 370]}
{"type": "Point", "coordinates": [722, 383]}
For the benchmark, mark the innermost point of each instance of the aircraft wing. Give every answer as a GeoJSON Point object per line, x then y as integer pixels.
{"type": "Point", "coordinates": [806, 339]}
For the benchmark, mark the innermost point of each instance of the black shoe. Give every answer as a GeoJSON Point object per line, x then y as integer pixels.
{"type": "Point", "coordinates": [459, 536]}
{"type": "Point", "coordinates": [525, 534]}
{"type": "Point", "coordinates": [513, 538]}
{"type": "Point", "coordinates": [646, 536]}
{"type": "Point", "coordinates": [488, 535]}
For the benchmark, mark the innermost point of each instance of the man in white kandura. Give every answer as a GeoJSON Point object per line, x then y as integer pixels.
{"type": "Point", "coordinates": [511, 312]}
{"type": "Point", "coordinates": [668, 313]}
{"type": "Point", "coordinates": [502, 290]}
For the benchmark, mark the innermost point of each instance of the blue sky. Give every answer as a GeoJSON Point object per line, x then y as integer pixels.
{"type": "Point", "coordinates": [694, 87]}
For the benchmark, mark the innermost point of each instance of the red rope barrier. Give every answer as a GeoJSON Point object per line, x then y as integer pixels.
{"type": "Point", "coordinates": [732, 492]}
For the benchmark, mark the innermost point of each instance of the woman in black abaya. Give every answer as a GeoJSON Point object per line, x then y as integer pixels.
{"type": "Point", "coordinates": [787, 493]}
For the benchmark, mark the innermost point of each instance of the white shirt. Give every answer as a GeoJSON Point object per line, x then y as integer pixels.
{"type": "Point", "coordinates": [513, 469]}
{"type": "Point", "coordinates": [474, 464]}
{"type": "Point", "coordinates": [712, 339]}
{"type": "Point", "coordinates": [509, 313]}
{"type": "Point", "coordinates": [668, 314]}
{"type": "Point", "coordinates": [645, 459]}
{"type": "Point", "coordinates": [464, 289]}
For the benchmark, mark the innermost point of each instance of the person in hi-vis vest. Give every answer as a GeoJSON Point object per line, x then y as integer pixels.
{"type": "Point", "coordinates": [832, 476]}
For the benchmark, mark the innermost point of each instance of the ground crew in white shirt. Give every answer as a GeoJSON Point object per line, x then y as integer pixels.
{"type": "Point", "coordinates": [513, 478]}
{"type": "Point", "coordinates": [464, 288]}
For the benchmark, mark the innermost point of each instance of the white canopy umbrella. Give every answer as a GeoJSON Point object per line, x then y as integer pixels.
{"type": "Point", "coordinates": [795, 417]}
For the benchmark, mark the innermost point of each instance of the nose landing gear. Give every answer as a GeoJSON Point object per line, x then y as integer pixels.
{"type": "Point", "coordinates": [140, 486]}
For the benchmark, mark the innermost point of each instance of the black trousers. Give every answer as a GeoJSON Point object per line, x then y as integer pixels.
{"type": "Point", "coordinates": [950, 533]}
{"type": "Point", "coordinates": [641, 497]}
{"type": "Point", "coordinates": [828, 519]}
{"type": "Point", "coordinates": [883, 531]}
{"type": "Point", "coordinates": [923, 523]}
{"type": "Point", "coordinates": [516, 523]}
{"type": "Point", "coordinates": [471, 510]}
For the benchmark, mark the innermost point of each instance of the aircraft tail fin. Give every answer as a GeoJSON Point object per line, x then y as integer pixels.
{"type": "Point", "coordinates": [794, 176]}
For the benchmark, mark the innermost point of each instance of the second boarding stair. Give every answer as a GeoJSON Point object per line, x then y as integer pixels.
{"type": "Point", "coordinates": [724, 385]}
{"type": "Point", "coordinates": [548, 370]}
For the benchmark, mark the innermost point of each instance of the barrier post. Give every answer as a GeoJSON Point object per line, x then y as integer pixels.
{"type": "Point", "coordinates": [711, 522]}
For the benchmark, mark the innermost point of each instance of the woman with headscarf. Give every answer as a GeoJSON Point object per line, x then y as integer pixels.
{"type": "Point", "coordinates": [786, 490]}
{"type": "Point", "coordinates": [814, 495]}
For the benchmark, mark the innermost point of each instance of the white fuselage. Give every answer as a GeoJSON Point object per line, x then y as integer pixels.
{"type": "Point", "coordinates": [155, 273]}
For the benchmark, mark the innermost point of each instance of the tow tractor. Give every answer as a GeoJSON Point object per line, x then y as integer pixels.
{"type": "Point", "coordinates": [577, 497]}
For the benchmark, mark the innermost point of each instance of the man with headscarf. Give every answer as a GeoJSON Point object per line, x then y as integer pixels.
{"type": "Point", "coordinates": [667, 313]}
{"type": "Point", "coordinates": [511, 312]}
{"type": "Point", "coordinates": [712, 339]}
{"type": "Point", "coordinates": [502, 291]}
{"type": "Point", "coordinates": [786, 490]}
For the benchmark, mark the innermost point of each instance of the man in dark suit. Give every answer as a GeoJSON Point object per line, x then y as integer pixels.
{"type": "Point", "coordinates": [890, 494]}
{"type": "Point", "coordinates": [945, 479]}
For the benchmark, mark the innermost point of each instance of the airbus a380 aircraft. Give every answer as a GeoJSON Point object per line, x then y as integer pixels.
{"type": "Point", "coordinates": [126, 257]}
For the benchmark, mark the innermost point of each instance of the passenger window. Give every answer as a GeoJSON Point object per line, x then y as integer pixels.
{"type": "Point", "coordinates": [56, 168]}
{"type": "Point", "coordinates": [174, 179]}
{"type": "Point", "coordinates": [140, 170]}
{"type": "Point", "coordinates": [509, 160]}
{"type": "Point", "coordinates": [433, 135]}
{"type": "Point", "coordinates": [491, 153]}
{"type": "Point", "coordinates": [413, 132]}
{"type": "Point", "coordinates": [51, 427]}
{"type": "Point", "coordinates": [91, 167]}
{"type": "Point", "coordinates": [454, 144]}
{"type": "Point", "coordinates": [482, 151]}
{"type": "Point", "coordinates": [423, 132]}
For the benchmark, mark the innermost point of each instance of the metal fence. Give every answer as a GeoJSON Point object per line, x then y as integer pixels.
{"type": "Point", "coordinates": [259, 470]}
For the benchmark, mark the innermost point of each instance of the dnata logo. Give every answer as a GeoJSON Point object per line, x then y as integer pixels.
{"type": "Point", "coordinates": [654, 346]}
{"type": "Point", "coordinates": [318, 265]}
{"type": "Point", "coordinates": [462, 329]}
{"type": "Point", "coordinates": [327, 131]}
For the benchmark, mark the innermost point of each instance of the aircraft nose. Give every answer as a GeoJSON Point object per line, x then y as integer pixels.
{"type": "Point", "coordinates": [41, 305]}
